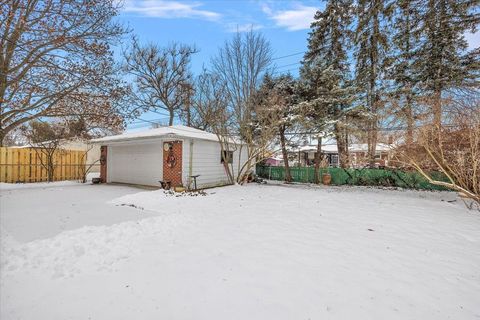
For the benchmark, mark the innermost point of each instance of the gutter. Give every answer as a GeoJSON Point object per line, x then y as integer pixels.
{"type": "Point", "coordinates": [172, 135]}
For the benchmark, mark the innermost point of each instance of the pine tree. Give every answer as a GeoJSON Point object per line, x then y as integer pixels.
{"type": "Point", "coordinates": [277, 98]}
{"type": "Point", "coordinates": [406, 42]}
{"type": "Point", "coordinates": [372, 46]}
{"type": "Point", "coordinates": [325, 70]}
{"type": "Point", "coordinates": [444, 62]}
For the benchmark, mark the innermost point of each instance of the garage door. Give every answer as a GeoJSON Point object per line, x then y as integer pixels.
{"type": "Point", "coordinates": [138, 164]}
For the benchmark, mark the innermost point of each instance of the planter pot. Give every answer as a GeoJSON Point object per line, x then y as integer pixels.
{"type": "Point", "coordinates": [326, 178]}
{"type": "Point", "coordinates": [179, 189]}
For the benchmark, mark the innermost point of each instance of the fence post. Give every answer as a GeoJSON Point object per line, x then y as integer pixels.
{"type": "Point", "coordinates": [269, 173]}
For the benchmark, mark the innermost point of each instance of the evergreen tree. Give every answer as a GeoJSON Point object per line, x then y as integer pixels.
{"type": "Point", "coordinates": [444, 62]}
{"type": "Point", "coordinates": [325, 71]}
{"type": "Point", "coordinates": [278, 99]}
{"type": "Point", "coordinates": [372, 46]}
{"type": "Point", "coordinates": [406, 42]}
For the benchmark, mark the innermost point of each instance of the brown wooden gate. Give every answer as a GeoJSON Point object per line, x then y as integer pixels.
{"type": "Point", "coordinates": [172, 162]}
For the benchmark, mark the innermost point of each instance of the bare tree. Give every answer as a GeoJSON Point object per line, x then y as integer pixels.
{"type": "Point", "coordinates": [50, 50]}
{"type": "Point", "coordinates": [211, 107]}
{"type": "Point", "coordinates": [210, 99]}
{"type": "Point", "coordinates": [210, 111]}
{"type": "Point", "coordinates": [46, 138]}
{"type": "Point", "coordinates": [453, 149]}
{"type": "Point", "coordinates": [85, 169]}
{"type": "Point", "coordinates": [241, 64]}
{"type": "Point", "coordinates": [162, 76]}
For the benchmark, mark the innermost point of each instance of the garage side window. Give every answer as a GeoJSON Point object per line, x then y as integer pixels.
{"type": "Point", "coordinates": [227, 155]}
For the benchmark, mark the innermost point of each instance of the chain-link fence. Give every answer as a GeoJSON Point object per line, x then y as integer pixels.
{"type": "Point", "coordinates": [357, 177]}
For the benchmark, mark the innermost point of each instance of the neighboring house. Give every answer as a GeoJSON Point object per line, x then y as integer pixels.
{"type": "Point", "coordinates": [305, 155]}
{"type": "Point", "coordinates": [93, 152]}
{"type": "Point", "coordinates": [170, 154]}
{"type": "Point", "coordinates": [274, 161]}
{"type": "Point", "coordinates": [359, 154]}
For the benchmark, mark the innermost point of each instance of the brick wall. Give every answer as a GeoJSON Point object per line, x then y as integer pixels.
{"type": "Point", "coordinates": [173, 174]}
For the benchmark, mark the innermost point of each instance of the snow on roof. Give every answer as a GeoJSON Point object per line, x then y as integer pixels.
{"type": "Point", "coordinates": [313, 148]}
{"type": "Point", "coordinates": [363, 147]}
{"type": "Point", "coordinates": [332, 148]}
{"type": "Point", "coordinates": [171, 131]}
{"type": "Point", "coordinates": [329, 148]}
{"type": "Point", "coordinates": [276, 158]}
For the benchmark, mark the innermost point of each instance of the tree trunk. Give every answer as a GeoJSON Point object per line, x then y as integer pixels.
{"type": "Point", "coordinates": [437, 109]}
{"type": "Point", "coordinates": [410, 122]}
{"type": "Point", "coordinates": [342, 146]}
{"type": "Point", "coordinates": [288, 176]}
{"type": "Point", "coordinates": [172, 115]}
{"type": "Point", "coordinates": [224, 150]}
{"type": "Point", "coordinates": [373, 132]}
{"type": "Point", "coordinates": [51, 169]}
{"type": "Point", "coordinates": [372, 148]}
{"type": "Point", "coordinates": [318, 158]}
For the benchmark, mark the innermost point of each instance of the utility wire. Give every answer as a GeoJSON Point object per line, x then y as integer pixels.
{"type": "Point", "coordinates": [289, 55]}
{"type": "Point", "coordinates": [288, 65]}
{"type": "Point", "coordinates": [140, 120]}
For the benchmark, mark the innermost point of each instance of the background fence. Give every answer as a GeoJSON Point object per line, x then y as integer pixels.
{"type": "Point", "coordinates": [359, 177]}
{"type": "Point", "coordinates": [25, 165]}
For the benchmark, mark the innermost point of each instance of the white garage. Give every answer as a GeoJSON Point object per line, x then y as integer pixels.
{"type": "Point", "coordinates": [135, 163]}
{"type": "Point", "coordinates": [169, 154]}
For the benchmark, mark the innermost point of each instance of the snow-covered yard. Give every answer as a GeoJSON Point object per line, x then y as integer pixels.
{"type": "Point", "coordinates": [252, 252]}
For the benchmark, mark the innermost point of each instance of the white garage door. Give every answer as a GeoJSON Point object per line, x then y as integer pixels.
{"type": "Point", "coordinates": [138, 164]}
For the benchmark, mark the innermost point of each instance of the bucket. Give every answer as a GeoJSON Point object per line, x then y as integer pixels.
{"type": "Point", "coordinates": [326, 178]}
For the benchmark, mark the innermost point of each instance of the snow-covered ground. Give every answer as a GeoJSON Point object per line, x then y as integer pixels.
{"type": "Point", "coordinates": [252, 252]}
{"type": "Point", "coordinates": [42, 210]}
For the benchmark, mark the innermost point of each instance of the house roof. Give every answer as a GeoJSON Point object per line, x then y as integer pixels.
{"type": "Point", "coordinates": [325, 148]}
{"type": "Point", "coordinates": [332, 148]}
{"type": "Point", "coordinates": [363, 147]}
{"type": "Point", "coordinates": [171, 131]}
{"type": "Point", "coordinates": [70, 144]}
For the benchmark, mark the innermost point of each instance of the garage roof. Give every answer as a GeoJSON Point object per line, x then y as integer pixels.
{"type": "Point", "coordinates": [170, 132]}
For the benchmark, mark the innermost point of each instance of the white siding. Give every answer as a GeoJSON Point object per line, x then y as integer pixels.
{"type": "Point", "coordinates": [206, 163]}
{"type": "Point", "coordinates": [142, 162]}
{"type": "Point", "coordinates": [139, 163]}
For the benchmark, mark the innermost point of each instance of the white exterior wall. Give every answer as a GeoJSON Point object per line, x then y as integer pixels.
{"type": "Point", "coordinates": [93, 154]}
{"type": "Point", "coordinates": [206, 163]}
{"type": "Point", "coordinates": [141, 162]}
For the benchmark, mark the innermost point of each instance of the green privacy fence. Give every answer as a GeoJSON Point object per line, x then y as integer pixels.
{"type": "Point", "coordinates": [357, 177]}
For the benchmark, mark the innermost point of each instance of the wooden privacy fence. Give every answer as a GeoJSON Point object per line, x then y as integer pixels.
{"type": "Point", "coordinates": [25, 165]}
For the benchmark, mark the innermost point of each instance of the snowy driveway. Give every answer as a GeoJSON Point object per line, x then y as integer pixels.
{"type": "Point", "coordinates": [254, 252]}
{"type": "Point", "coordinates": [39, 211]}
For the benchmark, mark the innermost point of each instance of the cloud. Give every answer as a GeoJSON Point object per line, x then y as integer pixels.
{"type": "Point", "coordinates": [298, 18]}
{"type": "Point", "coordinates": [169, 9]}
{"type": "Point", "coordinates": [245, 27]}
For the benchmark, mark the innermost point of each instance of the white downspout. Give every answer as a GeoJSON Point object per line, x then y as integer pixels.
{"type": "Point", "coordinates": [190, 165]}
